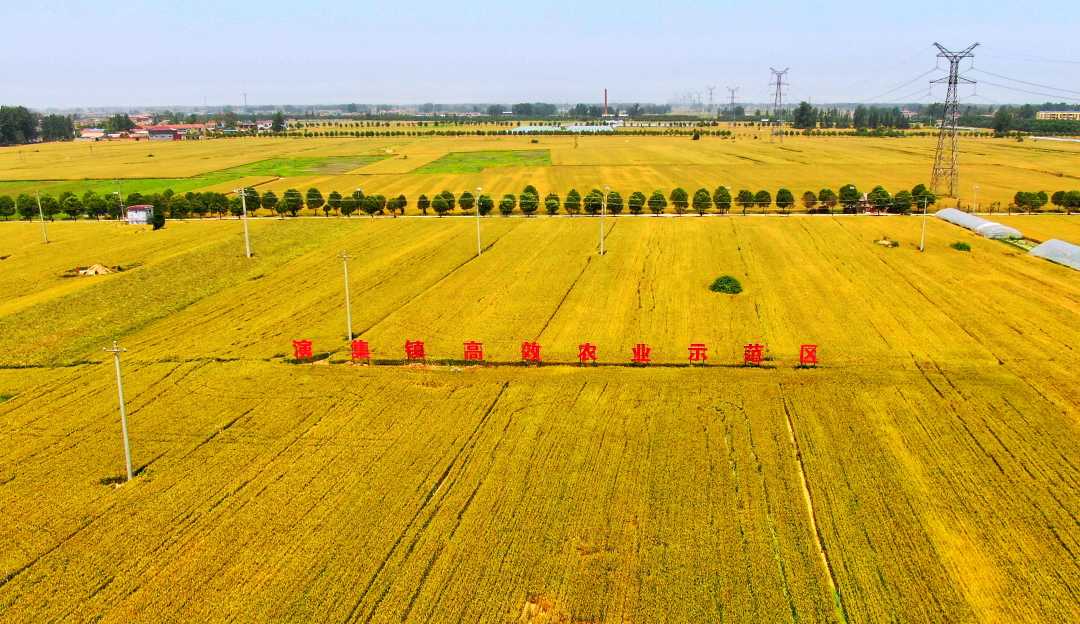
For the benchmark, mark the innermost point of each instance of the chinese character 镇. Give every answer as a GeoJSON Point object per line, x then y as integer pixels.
{"type": "Point", "coordinates": [414, 350]}
{"type": "Point", "coordinates": [808, 355]}
{"type": "Point", "coordinates": [301, 349]}
{"type": "Point", "coordinates": [752, 354]}
{"type": "Point", "coordinates": [697, 352]}
{"type": "Point", "coordinates": [641, 353]}
{"type": "Point", "coordinates": [474, 351]}
{"type": "Point", "coordinates": [586, 353]}
{"type": "Point", "coordinates": [530, 352]}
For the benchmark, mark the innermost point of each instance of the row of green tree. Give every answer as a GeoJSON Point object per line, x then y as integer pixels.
{"type": "Point", "coordinates": [18, 126]}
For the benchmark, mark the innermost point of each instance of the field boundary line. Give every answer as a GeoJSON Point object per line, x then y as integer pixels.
{"type": "Point", "coordinates": [809, 500]}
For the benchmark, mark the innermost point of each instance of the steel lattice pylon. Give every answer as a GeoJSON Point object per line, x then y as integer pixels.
{"type": "Point", "coordinates": [778, 100]}
{"type": "Point", "coordinates": [946, 167]}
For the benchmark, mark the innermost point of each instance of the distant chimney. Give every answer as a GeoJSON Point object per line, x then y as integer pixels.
{"type": "Point", "coordinates": [605, 102]}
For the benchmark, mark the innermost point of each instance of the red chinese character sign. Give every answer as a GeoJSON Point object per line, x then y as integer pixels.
{"type": "Point", "coordinates": [808, 355]}
{"type": "Point", "coordinates": [530, 352]}
{"type": "Point", "coordinates": [474, 351]}
{"type": "Point", "coordinates": [641, 354]}
{"type": "Point", "coordinates": [301, 349]}
{"type": "Point", "coordinates": [360, 351]}
{"type": "Point", "coordinates": [586, 353]}
{"type": "Point", "coordinates": [698, 352]}
{"type": "Point", "coordinates": [414, 350]}
{"type": "Point", "coordinates": [753, 354]}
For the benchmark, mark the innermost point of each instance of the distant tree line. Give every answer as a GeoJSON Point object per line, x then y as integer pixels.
{"type": "Point", "coordinates": [19, 126]}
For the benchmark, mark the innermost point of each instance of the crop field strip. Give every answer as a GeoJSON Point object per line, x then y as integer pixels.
{"type": "Point", "coordinates": [502, 493]}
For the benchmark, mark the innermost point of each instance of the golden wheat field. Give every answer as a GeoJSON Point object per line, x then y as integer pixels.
{"type": "Point", "coordinates": [926, 470]}
{"type": "Point", "coordinates": [506, 164]}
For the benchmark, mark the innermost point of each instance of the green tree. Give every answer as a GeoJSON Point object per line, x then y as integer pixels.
{"type": "Point", "coordinates": [1058, 199]}
{"type": "Point", "coordinates": [370, 205]}
{"type": "Point", "coordinates": [573, 202]}
{"type": "Point", "coordinates": [879, 198]}
{"type": "Point", "coordinates": [849, 198]}
{"type": "Point", "coordinates": [269, 201]}
{"type": "Point", "coordinates": [657, 203]}
{"type": "Point", "coordinates": [7, 207]}
{"type": "Point", "coordinates": [49, 206]}
{"type": "Point", "coordinates": [506, 204]}
{"type": "Point", "coordinates": [529, 203]}
{"type": "Point", "coordinates": [722, 199]}
{"type": "Point", "coordinates": [113, 205]}
{"type": "Point", "coordinates": [763, 199]}
{"type": "Point", "coordinates": [530, 190]}
{"type": "Point", "coordinates": [923, 197]}
{"type": "Point", "coordinates": [614, 203]}
{"type": "Point", "coordinates": [439, 205]}
{"type": "Point", "coordinates": [594, 201]}
{"type": "Point", "coordinates": [744, 199]}
{"type": "Point", "coordinates": [278, 123]}
{"type": "Point", "coordinates": [57, 128]}
{"type": "Point", "coordinates": [1039, 200]}
{"type": "Point", "coordinates": [485, 204]}
{"type": "Point", "coordinates": [119, 123]}
{"type": "Point", "coordinates": [1072, 201]}
{"type": "Point", "coordinates": [1022, 200]}
{"type": "Point", "coordinates": [784, 200]}
{"type": "Point", "coordinates": [902, 202]}
{"type": "Point", "coordinates": [551, 204]}
{"type": "Point", "coordinates": [828, 199]}
{"type": "Point", "coordinates": [449, 197]}
{"type": "Point", "coordinates": [680, 200]}
{"type": "Point", "coordinates": [349, 205]}
{"type": "Point", "coordinates": [314, 199]}
{"type": "Point", "coordinates": [17, 126]}
{"type": "Point", "coordinates": [422, 204]}
{"type": "Point", "coordinates": [1003, 121]}
{"type": "Point", "coordinates": [251, 198]}
{"type": "Point", "coordinates": [809, 201]}
{"type": "Point", "coordinates": [701, 202]}
{"type": "Point", "coordinates": [467, 201]}
{"type": "Point", "coordinates": [636, 202]}
{"type": "Point", "coordinates": [805, 117]}
{"type": "Point", "coordinates": [157, 219]}
{"type": "Point", "coordinates": [96, 206]}
{"type": "Point", "coordinates": [292, 201]}
{"type": "Point", "coordinates": [333, 201]}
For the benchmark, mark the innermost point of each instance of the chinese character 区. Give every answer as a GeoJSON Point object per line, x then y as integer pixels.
{"type": "Point", "coordinates": [808, 355]}
{"type": "Point", "coordinates": [301, 349]}
{"type": "Point", "coordinates": [530, 352]}
{"type": "Point", "coordinates": [414, 350]}
{"type": "Point", "coordinates": [641, 353]}
{"type": "Point", "coordinates": [697, 352]}
{"type": "Point", "coordinates": [752, 354]}
{"type": "Point", "coordinates": [586, 353]}
{"type": "Point", "coordinates": [360, 350]}
{"type": "Point", "coordinates": [474, 351]}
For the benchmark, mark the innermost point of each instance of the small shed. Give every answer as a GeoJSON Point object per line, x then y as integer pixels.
{"type": "Point", "coordinates": [139, 214]}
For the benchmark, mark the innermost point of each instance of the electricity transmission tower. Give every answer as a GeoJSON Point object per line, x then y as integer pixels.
{"type": "Point", "coordinates": [711, 89]}
{"type": "Point", "coordinates": [778, 99]}
{"type": "Point", "coordinates": [731, 91]}
{"type": "Point", "coordinates": [945, 166]}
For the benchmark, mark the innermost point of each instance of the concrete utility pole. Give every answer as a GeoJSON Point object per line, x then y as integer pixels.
{"type": "Point", "coordinates": [243, 206]}
{"type": "Point", "coordinates": [922, 239]}
{"type": "Point", "coordinates": [115, 350]}
{"type": "Point", "coordinates": [41, 214]}
{"type": "Point", "coordinates": [479, 250]}
{"type": "Point", "coordinates": [603, 213]}
{"type": "Point", "coordinates": [778, 100]}
{"type": "Point", "coordinates": [946, 168]}
{"type": "Point", "coordinates": [975, 202]}
{"type": "Point", "coordinates": [345, 257]}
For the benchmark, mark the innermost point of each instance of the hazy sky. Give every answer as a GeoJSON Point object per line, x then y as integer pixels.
{"type": "Point", "coordinates": [131, 53]}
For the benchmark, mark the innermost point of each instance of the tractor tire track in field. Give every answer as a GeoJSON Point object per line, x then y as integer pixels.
{"type": "Point", "coordinates": [558, 306]}
{"type": "Point", "coordinates": [470, 444]}
{"type": "Point", "coordinates": [430, 286]}
{"type": "Point", "coordinates": [808, 499]}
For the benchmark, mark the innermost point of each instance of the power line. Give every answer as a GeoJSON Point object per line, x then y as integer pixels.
{"type": "Point", "coordinates": [1032, 84]}
{"type": "Point", "coordinates": [877, 98]}
{"type": "Point", "coordinates": [1029, 92]}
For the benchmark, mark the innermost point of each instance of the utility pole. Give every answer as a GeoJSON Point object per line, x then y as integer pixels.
{"type": "Point", "coordinates": [946, 167]}
{"type": "Point", "coordinates": [922, 239]}
{"type": "Point", "coordinates": [348, 301]}
{"type": "Point", "coordinates": [41, 215]}
{"type": "Point", "coordinates": [603, 213]}
{"type": "Point", "coordinates": [243, 206]}
{"type": "Point", "coordinates": [778, 99]}
{"type": "Point", "coordinates": [975, 202]}
{"type": "Point", "coordinates": [731, 91]}
{"type": "Point", "coordinates": [479, 250]}
{"type": "Point", "coordinates": [116, 350]}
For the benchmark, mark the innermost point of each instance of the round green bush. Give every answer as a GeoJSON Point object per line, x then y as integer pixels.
{"type": "Point", "coordinates": [726, 284]}
{"type": "Point", "coordinates": [961, 246]}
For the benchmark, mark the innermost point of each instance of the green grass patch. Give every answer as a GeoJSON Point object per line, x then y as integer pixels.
{"type": "Point", "coordinates": [273, 167]}
{"type": "Point", "coordinates": [6, 397]}
{"type": "Point", "coordinates": [475, 162]}
{"type": "Point", "coordinates": [726, 284]}
{"type": "Point", "coordinates": [960, 246]}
